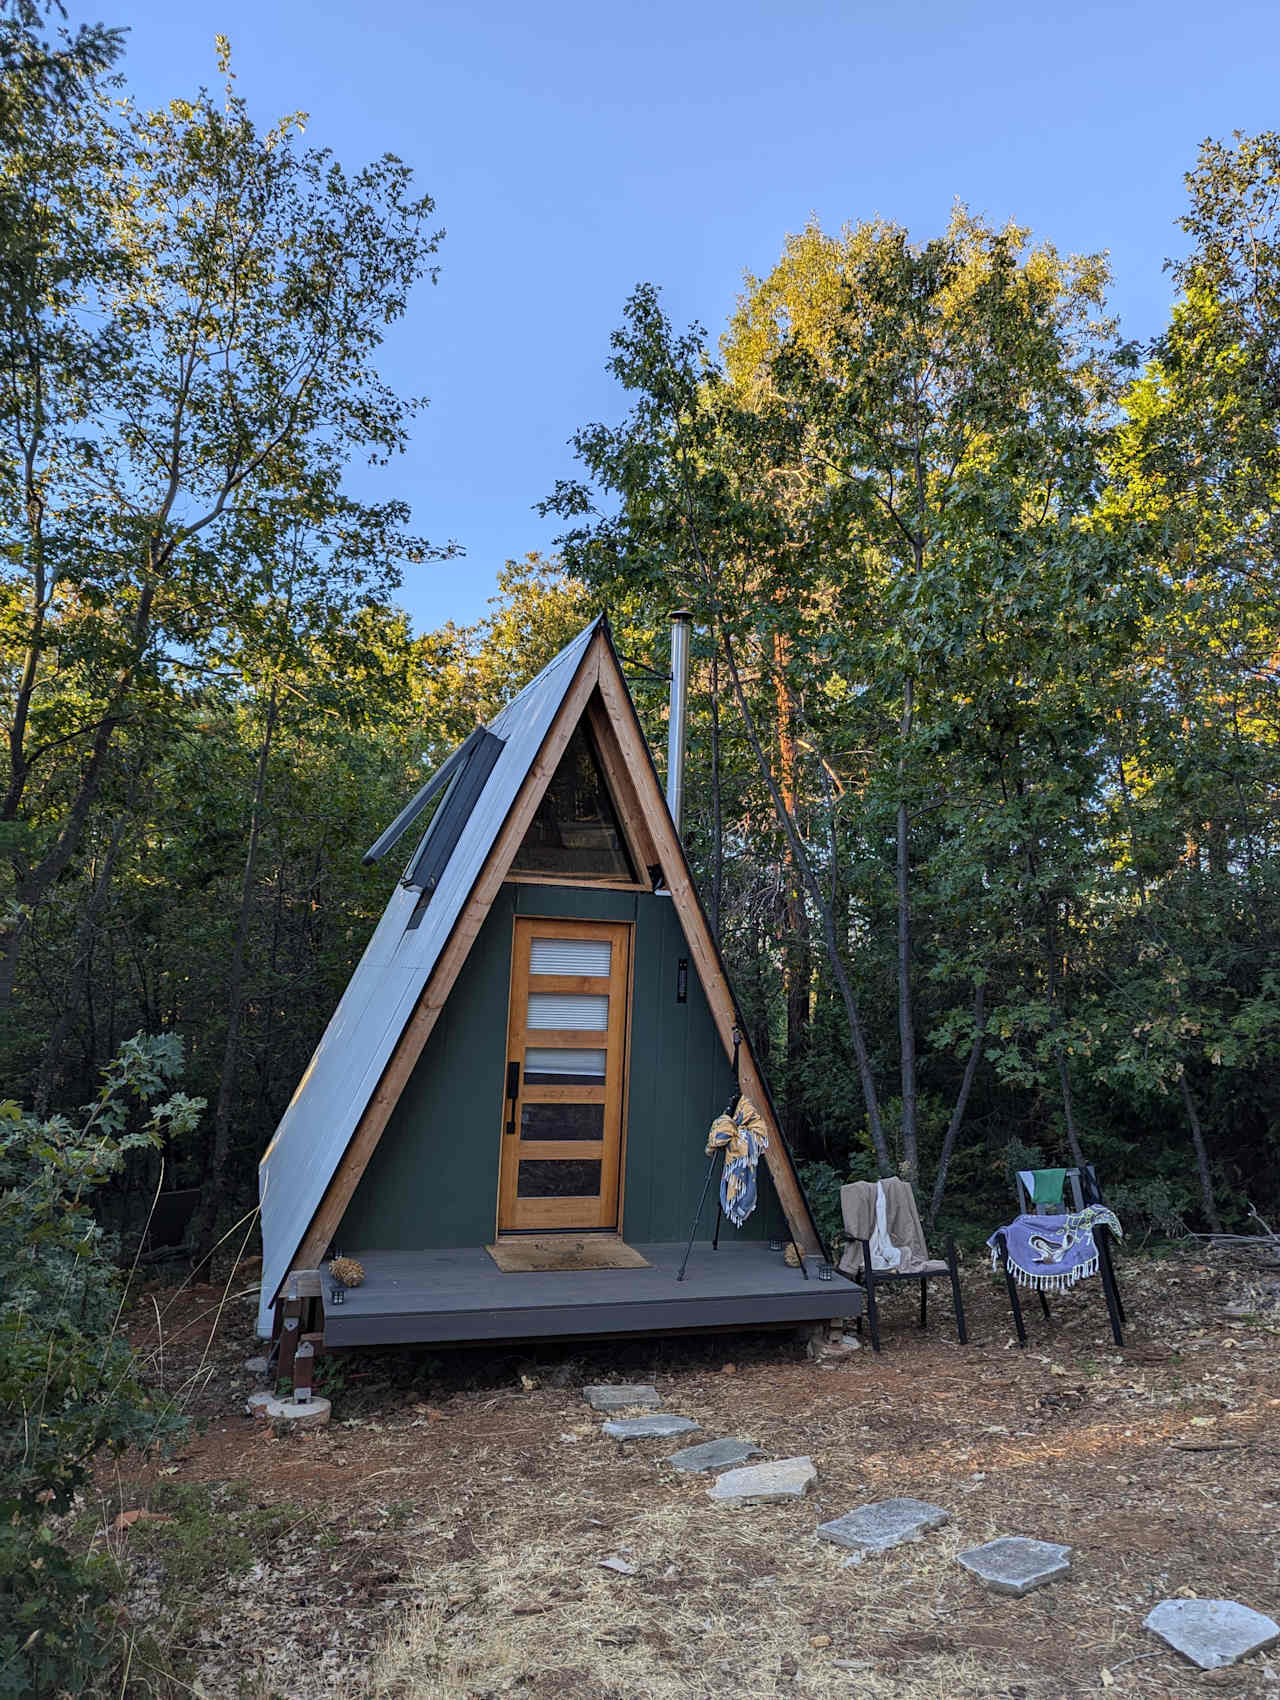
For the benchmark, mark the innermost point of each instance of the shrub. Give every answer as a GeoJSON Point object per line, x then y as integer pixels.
{"type": "Point", "coordinates": [822, 1185]}
{"type": "Point", "coordinates": [71, 1387]}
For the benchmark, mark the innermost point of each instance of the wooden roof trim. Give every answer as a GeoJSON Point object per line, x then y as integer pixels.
{"type": "Point", "coordinates": [629, 769]}
{"type": "Point", "coordinates": [435, 994]}
{"type": "Point", "coordinates": [640, 845]}
{"type": "Point", "coordinates": [645, 793]}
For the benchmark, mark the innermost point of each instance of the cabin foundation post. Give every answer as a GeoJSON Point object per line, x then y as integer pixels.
{"type": "Point", "coordinates": [830, 1339]}
{"type": "Point", "coordinates": [290, 1328]}
{"type": "Point", "coordinates": [303, 1289]}
{"type": "Point", "coordinates": [303, 1365]}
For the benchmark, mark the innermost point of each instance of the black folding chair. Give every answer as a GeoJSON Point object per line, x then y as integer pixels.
{"type": "Point", "coordinates": [1082, 1183]}
{"type": "Point", "coordinates": [871, 1280]}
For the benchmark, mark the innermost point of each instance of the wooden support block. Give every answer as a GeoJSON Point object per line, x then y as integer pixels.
{"type": "Point", "coordinates": [289, 1332]}
{"type": "Point", "coordinates": [303, 1365]}
{"type": "Point", "coordinates": [304, 1284]}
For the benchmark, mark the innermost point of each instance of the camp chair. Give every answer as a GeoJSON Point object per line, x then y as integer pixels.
{"type": "Point", "coordinates": [859, 1203]}
{"type": "Point", "coordinates": [1043, 1192]}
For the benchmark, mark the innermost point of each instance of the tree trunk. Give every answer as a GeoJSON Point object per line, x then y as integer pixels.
{"type": "Point", "coordinates": [717, 802]}
{"type": "Point", "coordinates": [906, 1014]}
{"type": "Point", "coordinates": [222, 1116]}
{"type": "Point", "coordinates": [962, 1100]}
{"type": "Point", "coordinates": [823, 910]}
{"type": "Point", "coordinates": [761, 1038]}
{"type": "Point", "coordinates": [39, 881]}
{"type": "Point", "coordinates": [1202, 1157]}
{"type": "Point", "coordinates": [1059, 1054]}
{"type": "Point", "coordinates": [43, 586]}
{"type": "Point", "coordinates": [795, 916]}
{"type": "Point", "coordinates": [1068, 1107]}
{"type": "Point", "coordinates": [79, 968]}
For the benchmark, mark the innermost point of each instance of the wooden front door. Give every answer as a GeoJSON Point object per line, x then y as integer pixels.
{"type": "Point", "coordinates": [566, 1056]}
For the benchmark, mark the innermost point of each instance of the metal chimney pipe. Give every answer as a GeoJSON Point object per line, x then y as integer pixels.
{"type": "Point", "coordinates": [678, 720]}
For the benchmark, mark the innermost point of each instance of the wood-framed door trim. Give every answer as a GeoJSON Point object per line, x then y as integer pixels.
{"type": "Point", "coordinates": [514, 1215]}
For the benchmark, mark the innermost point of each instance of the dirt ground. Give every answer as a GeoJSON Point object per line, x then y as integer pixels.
{"type": "Point", "coordinates": [443, 1538]}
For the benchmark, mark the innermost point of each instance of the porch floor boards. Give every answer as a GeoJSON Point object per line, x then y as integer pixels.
{"type": "Point", "coordinates": [461, 1294]}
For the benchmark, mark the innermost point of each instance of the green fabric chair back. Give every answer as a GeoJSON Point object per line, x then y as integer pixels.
{"type": "Point", "coordinates": [1048, 1186]}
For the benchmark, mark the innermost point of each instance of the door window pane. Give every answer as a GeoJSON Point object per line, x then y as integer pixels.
{"type": "Point", "coordinates": [553, 1178]}
{"type": "Point", "coordinates": [571, 956]}
{"type": "Point", "coordinates": [562, 1121]}
{"type": "Point", "coordinates": [564, 1068]}
{"type": "Point", "coordinates": [588, 1012]}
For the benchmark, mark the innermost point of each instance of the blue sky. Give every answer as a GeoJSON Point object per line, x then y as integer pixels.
{"type": "Point", "coordinates": [576, 149]}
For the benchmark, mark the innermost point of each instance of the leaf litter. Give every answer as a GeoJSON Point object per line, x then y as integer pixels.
{"type": "Point", "coordinates": [440, 1542]}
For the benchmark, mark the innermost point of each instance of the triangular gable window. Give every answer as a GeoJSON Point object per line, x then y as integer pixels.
{"type": "Point", "coordinates": [575, 833]}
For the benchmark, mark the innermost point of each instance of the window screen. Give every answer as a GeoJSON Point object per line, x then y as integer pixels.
{"type": "Point", "coordinates": [555, 1178]}
{"type": "Point", "coordinates": [562, 1121]}
{"type": "Point", "coordinates": [584, 1011]}
{"type": "Point", "coordinates": [571, 956]}
{"type": "Point", "coordinates": [564, 1068]}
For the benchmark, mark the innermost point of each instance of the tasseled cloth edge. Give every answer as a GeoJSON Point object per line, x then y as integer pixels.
{"type": "Point", "coordinates": [1046, 1283]}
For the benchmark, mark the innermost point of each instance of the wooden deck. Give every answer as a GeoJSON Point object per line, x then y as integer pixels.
{"type": "Point", "coordinates": [461, 1295]}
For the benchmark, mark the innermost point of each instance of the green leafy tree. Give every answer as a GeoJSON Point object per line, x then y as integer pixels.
{"type": "Point", "coordinates": [246, 291]}
{"type": "Point", "coordinates": [1195, 480]}
{"type": "Point", "coordinates": [880, 508]}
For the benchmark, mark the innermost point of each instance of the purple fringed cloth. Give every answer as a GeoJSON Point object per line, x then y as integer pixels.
{"type": "Point", "coordinates": [1054, 1252]}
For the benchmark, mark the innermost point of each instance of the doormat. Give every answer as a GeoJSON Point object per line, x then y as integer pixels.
{"type": "Point", "coordinates": [553, 1253]}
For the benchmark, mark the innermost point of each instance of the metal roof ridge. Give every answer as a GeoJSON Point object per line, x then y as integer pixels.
{"type": "Point", "coordinates": [562, 655]}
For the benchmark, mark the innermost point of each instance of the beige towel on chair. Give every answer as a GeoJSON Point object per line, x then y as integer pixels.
{"type": "Point", "coordinates": [858, 1203]}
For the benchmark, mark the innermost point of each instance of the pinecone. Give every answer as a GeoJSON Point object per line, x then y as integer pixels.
{"type": "Point", "coordinates": [347, 1270]}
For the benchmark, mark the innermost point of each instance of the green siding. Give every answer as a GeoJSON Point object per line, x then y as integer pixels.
{"type": "Point", "coordinates": [433, 1180]}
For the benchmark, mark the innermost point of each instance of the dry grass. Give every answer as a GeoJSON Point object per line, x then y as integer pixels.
{"type": "Point", "coordinates": [466, 1512]}
{"type": "Point", "coordinates": [723, 1603]}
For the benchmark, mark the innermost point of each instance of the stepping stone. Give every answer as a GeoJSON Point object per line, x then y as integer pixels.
{"type": "Point", "coordinates": [256, 1366]}
{"type": "Point", "coordinates": [765, 1484]}
{"type": "Point", "coordinates": [885, 1523]}
{"type": "Point", "coordinates": [1212, 1633]}
{"type": "Point", "coordinates": [621, 1396]}
{"type": "Point", "coordinates": [657, 1427]}
{"type": "Point", "coordinates": [714, 1455]}
{"type": "Point", "coordinates": [1016, 1565]}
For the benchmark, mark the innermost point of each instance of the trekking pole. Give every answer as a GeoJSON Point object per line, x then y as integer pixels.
{"type": "Point", "coordinates": [702, 1199]}
{"type": "Point", "coordinates": [711, 1166]}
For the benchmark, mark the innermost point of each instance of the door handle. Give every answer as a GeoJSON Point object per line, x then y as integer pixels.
{"type": "Point", "coordinates": [513, 1092]}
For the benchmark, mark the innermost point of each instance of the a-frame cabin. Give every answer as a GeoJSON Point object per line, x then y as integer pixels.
{"type": "Point", "coordinates": [504, 1122]}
